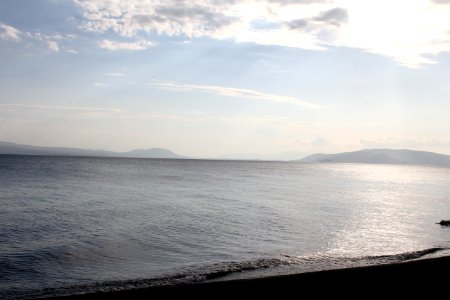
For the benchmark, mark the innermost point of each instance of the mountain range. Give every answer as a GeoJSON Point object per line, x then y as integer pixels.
{"type": "Point", "coordinates": [382, 156]}
{"type": "Point", "coordinates": [17, 149]}
{"type": "Point", "coordinates": [366, 156]}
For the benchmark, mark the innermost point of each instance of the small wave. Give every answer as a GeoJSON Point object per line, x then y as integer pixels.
{"type": "Point", "coordinates": [377, 258]}
{"type": "Point", "coordinates": [304, 264]}
{"type": "Point", "coordinates": [219, 271]}
{"type": "Point", "coordinates": [411, 255]}
{"type": "Point", "coordinates": [210, 272]}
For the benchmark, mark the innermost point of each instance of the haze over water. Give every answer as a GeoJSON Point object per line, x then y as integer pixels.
{"type": "Point", "coordinates": [68, 222]}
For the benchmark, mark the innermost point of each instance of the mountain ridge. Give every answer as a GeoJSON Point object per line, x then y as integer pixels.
{"type": "Point", "coordinates": [364, 156]}
{"type": "Point", "coordinates": [21, 149]}
{"type": "Point", "coordinates": [381, 156]}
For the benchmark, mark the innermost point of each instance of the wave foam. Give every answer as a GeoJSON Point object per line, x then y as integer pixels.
{"type": "Point", "coordinates": [219, 271]}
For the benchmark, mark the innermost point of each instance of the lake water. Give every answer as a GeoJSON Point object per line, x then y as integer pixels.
{"type": "Point", "coordinates": [71, 225]}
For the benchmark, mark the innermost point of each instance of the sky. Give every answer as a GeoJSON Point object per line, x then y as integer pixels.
{"type": "Point", "coordinates": [211, 78]}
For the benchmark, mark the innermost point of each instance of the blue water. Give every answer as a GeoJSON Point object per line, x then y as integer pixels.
{"type": "Point", "coordinates": [71, 225]}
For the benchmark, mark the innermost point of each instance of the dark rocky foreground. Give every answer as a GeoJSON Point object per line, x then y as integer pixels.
{"type": "Point", "coordinates": [426, 278]}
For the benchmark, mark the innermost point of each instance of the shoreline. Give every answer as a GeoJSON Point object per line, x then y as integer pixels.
{"type": "Point", "coordinates": [428, 275]}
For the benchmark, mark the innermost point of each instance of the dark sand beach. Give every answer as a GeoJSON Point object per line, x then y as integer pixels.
{"type": "Point", "coordinates": [429, 276]}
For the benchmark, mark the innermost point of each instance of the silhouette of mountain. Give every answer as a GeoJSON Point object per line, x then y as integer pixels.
{"type": "Point", "coordinates": [283, 156]}
{"type": "Point", "coordinates": [18, 149]}
{"type": "Point", "coordinates": [152, 153]}
{"type": "Point", "coordinates": [382, 156]}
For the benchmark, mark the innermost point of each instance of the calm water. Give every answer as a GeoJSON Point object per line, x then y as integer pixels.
{"type": "Point", "coordinates": [71, 225]}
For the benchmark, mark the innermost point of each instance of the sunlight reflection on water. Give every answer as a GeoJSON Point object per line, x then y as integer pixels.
{"type": "Point", "coordinates": [68, 221]}
{"type": "Point", "coordinates": [388, 213]}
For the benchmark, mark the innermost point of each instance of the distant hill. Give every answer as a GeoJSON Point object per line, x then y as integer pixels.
{"type": "Point", "coordinates": [382, 156]}
{"type": "Point", "coordinates": [152, 153]}
{"type": "Point", "coordinates": [18, 149]}
{"type": "Point", "coordinates": [284, 156]}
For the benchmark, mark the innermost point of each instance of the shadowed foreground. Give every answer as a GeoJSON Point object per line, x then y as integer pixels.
{"type": "Point", "coordinates": [428, 275]}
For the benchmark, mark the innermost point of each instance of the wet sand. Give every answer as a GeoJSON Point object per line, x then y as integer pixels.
{"type": "Point", "coordinates": [416, 278]}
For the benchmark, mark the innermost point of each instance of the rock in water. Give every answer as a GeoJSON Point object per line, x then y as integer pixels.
{"type": "Point", "coordinates": [444, 223]}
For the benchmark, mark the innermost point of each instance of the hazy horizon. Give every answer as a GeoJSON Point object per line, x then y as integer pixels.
{"type": "Point", "coordinates": [367, 155]}
{"type": "Point", "coordinates": [217, 78]}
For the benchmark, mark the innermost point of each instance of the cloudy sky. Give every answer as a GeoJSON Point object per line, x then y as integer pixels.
{"type": "Point", "coordinates": [213, 77]}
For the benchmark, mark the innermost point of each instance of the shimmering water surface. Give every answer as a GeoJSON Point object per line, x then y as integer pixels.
{"type": "Point", "coordinates": [70, 225]}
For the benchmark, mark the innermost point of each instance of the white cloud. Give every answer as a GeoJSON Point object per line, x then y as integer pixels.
{"type": "Point", "coordinates": [101, 84]}
{"type": "Point", "coordinates": [52, 45]}
{"type": "Point", "coordinates": [234, 92]}
{"type": "Point", "coordinates": [52, 41]}
{"type": "Point", "coordinates": [406, 143]}
{"type": "Point", "coordinates": [30, 112]}
{"type": "Point", "coordinates": [441, 1]}
{"type": "Point", "coordinates": [202, 18]}
{"type": "Point", "coordinates": [79, 109]}
{"type": "Point", "coordinates": [408, 32]}
{"type": "Point", "coordinates": [334, 17]}
{"type": "Point", "coordinates": [9, 33]}
{"type": "Point", "coordinates": [115, 74]}
{"type": "Point", "coordinates": [133, 46]}
{"type": "Point", "coordinates": [49, 41]}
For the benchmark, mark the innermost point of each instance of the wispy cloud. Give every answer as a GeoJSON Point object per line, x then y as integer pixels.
{"type": "Point", "coordinates": [51, 42]}
{"type": "Point", "coordinates": [115, 74]}
{"type": "Point", "coordinates": [9, 33]}
{"type": "Point", "coordinates": [101, 84]}
{"type": "Point", "coordinates": [441, 1]}
{"type": "Point", "coordinates": [406, 143]}
{"type": "Point", "coordinates": [234, 92]}
{"type": "Point", "coordinates": [246, 120]}
{"type": "Point", "coordinates": [131, 46]}
{"type": "Point", "coordinates": [52, 45]}
{"type": "Point", "coordinates": [334, 17]}
{"type": "Point", "coordinates": [62, 108]}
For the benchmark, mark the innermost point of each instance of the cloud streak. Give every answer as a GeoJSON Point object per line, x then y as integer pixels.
{"type": "Point", "coordinates": [9, 33]}
{"type": "Point", "coordinates": [115, 74]}
{"type": "Point", "coordinates": [51, 42]}
{"type": "Point", "coordinates": [85, 111]}
{"type": "Point", "coordinates": [234, 92]}
{"type": "Point", "coordinates": [441, 1]}
{"type": "Point", "coordinates": [130, 46]}
{"type": "Point", "coordinates": [101, 84]}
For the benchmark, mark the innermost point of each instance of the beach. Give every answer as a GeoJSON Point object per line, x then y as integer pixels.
{"type": "Point", "coordinates": [428, 276]}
